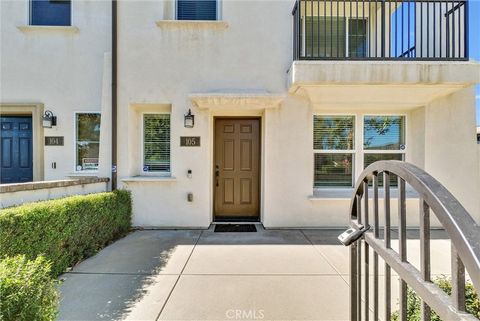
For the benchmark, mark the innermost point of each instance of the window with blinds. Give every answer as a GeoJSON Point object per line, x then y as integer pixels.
{"type": "Point", "coordinates": [156, 143]}
{"type": "Point", "coordinates": [384, 139]}
{"type": "Point", "coordinates": [333, 132]}
{"type": "Point", "coordinates": [357, 37]}
{"type": "Point", "coordinates": [384, 133]}
{"type": "Point", "coordinates": [333, 170]}
{"type": "Point", "coordinates": [325, 36]}
{"type": "Point", "coordinates": [197, 9]}
{"type": "Point", "coordinates": [50, 13]}
{"type": "Point", "coordinates": [334, 149]}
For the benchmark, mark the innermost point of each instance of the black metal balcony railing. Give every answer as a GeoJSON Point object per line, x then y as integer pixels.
{"type": "Point", "coordinates": [380, 30]}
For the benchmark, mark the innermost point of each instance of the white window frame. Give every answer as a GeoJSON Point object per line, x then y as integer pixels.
{"type": "Point", "coordinates": [347, 35]}
{"type": "Point", "coordinates": [382, 151]}
{"type": "Point", "coordinates": [142, 152]}
{"type": "Point", "coordinates": [353, 152]}
{"type": "Point", "coordinates": [347, 23]}
{"type": "Point", "coordinates": [358, 158]}
{"type": "Point", "coordinates": [75, 140]}
{"type": "Point", "coordinates": [219, 11]}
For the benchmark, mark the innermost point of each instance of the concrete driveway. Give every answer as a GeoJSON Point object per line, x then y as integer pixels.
{"type": "Point", "coordinates": [203, 275]}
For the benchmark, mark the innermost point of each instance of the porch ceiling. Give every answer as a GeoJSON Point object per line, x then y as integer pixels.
{"type": "Point", "coordinates": [356, 84]}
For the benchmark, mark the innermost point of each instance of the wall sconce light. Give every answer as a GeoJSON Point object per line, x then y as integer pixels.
{"type": "Point", "coordinates": [189, 120]}
{"type": "Point", "coordinates": [48, 119]}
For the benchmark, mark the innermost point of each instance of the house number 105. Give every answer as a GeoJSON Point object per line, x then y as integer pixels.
{"type": "Point", "coordinates": [190, 141]}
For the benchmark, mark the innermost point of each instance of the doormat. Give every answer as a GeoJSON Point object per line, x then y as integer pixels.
{"type": "Point", "coordinates": [223, 228]}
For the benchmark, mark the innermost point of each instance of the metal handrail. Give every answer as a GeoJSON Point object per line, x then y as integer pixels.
{"type": "Point", "coordinates": [388, 29]}
{"type": "Point", "coordinates": [463, 231]}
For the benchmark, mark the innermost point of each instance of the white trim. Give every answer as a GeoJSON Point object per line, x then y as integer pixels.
{"type": "Point", "coordinates": [75, 171]}
{"type": "Point", "coordinates": [40, 28]}
{"type": "Point", "coordinates": [359, 151]}
{"type": "Point", "coordinates": [353, 152]}
{"type": "Point", "coordinates": [334, 151]}
{"type": "Point", "coordinates": [159, 174]}
{"type": "Point", "coordinates": [339, 151]}
{"type": "Point", "coordinates": [219, 9]}
{"type": "Point", "coordinates": [263, 156]}
{"type": "Point", "coordinates": [192, 24]}
{"type": "Point", "coordinates": [391, 151]}
{"type": "Point", "coordinates": [141, 179]}
{"type": "Point", "coordinates": [346, 35]}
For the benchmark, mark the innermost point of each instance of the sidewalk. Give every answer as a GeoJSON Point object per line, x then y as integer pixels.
{"type": "Point", "coordinates": [202, 275]}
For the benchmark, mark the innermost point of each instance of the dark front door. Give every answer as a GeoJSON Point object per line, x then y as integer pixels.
{"type": "Point", "coordinates": [16, 149]}
{"type": "Point", "coordinates": [237, 168]}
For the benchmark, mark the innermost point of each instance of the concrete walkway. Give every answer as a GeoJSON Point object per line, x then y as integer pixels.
{"type": "Point", "coordinates": [202, 275]}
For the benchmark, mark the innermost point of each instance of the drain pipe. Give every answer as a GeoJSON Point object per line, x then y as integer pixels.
{"type": "Point", "coordinates": [114, 94]}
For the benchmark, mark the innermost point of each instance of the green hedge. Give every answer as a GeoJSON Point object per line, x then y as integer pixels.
{"type": "Point", "coordinates": [66, 230]}
{"type": "Point", "coordinates": [472, 301]}
{"type": "Point", "coordinates": [27, 290]}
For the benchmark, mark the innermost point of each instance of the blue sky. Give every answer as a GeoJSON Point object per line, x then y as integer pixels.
{"type": "Point", "coordinates": [475, 42]}
{"type": "Point", "coordinates": [474, 20]}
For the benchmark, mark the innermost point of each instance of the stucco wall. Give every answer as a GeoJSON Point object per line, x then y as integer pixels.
{"type": "Point", "coordinates": [57, 67]}
{"type": "Point", "coordinates": [18, 194]}
{"type": "Point", "coordinates": [450, 147]}
{"type": "Point", "coordinates": [171, 62]}
{"type": "Point", "coordinates": [162, 63]}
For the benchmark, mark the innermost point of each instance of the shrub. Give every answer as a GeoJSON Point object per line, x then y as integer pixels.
{"type": "Point", "coordinates": [472, 301]}
{"type": "Point", "coordinates": [27, 290]}
{"type": "Point", "coordinates": [66, 230]}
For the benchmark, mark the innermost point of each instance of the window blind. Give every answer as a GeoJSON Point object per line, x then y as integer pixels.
{"type": "Point", "coordinates": [325, 36]}
{"type": "Point", "coordinates": [357, 37]}
{"type": "Point", "coordinates": [333, 170]}
{"type": "Point", "coordinates": [333, 132]}
{"type": "Point", "coordinates": [156, 143]}
{"type": "Point", "coordinates": [197, 9]}
{"type": "Point", "coordinates": [50, 13]}
{"type": "Point", "coordinates": [384, 133]}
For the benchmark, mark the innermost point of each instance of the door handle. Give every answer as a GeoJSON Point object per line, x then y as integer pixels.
{"type": "Point", "coordinates": [217, 174]}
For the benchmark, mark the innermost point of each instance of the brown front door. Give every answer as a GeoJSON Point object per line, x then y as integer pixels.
{"type": "Point", "coordinates": [237, 168]}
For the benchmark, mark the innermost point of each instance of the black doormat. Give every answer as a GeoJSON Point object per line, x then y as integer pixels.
{"type": "Point", "coordinates": [223, 228]}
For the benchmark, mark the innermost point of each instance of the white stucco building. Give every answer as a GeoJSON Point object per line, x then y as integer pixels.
{"type": "Point", "coordinates": [289, 107]}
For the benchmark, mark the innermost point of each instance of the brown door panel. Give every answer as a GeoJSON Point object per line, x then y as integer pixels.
{"type": "Point", "coordinates": [237, 165]}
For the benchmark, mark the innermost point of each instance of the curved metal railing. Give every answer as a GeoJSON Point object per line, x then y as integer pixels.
{"type": "Point", "coordinates": [461, 228]}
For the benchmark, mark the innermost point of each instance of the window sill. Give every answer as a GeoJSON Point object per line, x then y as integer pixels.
{"type": "Point", "coordinates": [331, 193]}
{"type": "Point", "coordinates": [139, 179]}
{"type": "Point", "coordinates": [60, 29]}
{"type": "Point", "coordinates": [192, 24]}
{"type": "Point", "coordinates": [347, 193]}
{"type": "Point", "coordinates": [84, 174]}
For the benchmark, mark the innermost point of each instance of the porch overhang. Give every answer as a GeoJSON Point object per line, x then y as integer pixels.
{"type": "Point", "coordinates": [359, 84]}
{"type": "Point", "coordinates": [235, 101]}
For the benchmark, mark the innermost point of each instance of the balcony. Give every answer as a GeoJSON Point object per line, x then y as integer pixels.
{"type": "Point", "coordinates": [427, 30]}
